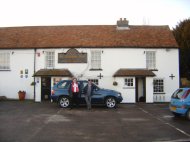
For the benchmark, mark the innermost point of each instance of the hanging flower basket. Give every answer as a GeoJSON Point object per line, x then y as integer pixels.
{"type": "Point", "coordinates": [115, 83]}
{"type": "Point", "coordinates": [21, 95]}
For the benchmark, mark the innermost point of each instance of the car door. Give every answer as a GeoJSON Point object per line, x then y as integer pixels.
{"type": "Point", "coordinates": [97, 97]}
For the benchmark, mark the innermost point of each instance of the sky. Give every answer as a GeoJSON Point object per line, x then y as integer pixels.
{"type": "Point", "coordinates": [92, 12]}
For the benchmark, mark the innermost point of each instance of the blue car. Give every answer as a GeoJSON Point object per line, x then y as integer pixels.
{"type": "Point", "coordinates": [60, 94]}
{"type": "Point", "coordinates": [180, 102]}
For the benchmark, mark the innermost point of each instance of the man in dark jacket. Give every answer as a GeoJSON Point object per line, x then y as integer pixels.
{"type": "Point", "coordinates": [88, 92]}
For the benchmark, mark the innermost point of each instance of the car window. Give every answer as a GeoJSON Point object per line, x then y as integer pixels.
{"type": "Point", "coordinates": [63, 85]}
{"type": "Point", "coordinates": [186, 94]}
{"type": "Point", "coordinates": [84, 84]}
{"type": "Point", "coordinates": [178, 94]}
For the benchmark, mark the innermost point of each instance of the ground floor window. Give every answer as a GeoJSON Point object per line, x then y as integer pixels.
{"type": "Point", "coordinates": [158, 86]}
{"type": "Point", "coordinates": [95, 81]}
{"type": "Point", "coordinates": [129, 82]}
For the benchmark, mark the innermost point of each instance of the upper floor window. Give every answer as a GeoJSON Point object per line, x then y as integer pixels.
{"type": "Point", "coordinates": [49, 59]}
{"type": "Point", "coordinates": [150, 59]}
{"type": "Point", "coordinates": [96, 59]}
{"type": "Point", "coordinates": [5, 61]}
{"type": "Point", "coordinates": [158, 86]}
{"type": "Point", "coordinates": [129, 82]}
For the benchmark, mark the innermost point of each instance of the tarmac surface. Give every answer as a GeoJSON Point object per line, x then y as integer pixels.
{"type": "Point", "coordinates": [26, 121]}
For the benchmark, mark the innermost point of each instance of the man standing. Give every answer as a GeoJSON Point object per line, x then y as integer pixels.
{"type": "Point", "coordinates": [88, 92]}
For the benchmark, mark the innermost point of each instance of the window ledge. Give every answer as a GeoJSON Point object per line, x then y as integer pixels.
{"type": "Point", "coordinates": [5, 70]}
{"type": "Point", "coordinates": [95, 69]}
{"type": "Point", "coordinates": [159, 93]}
{"type": "Point", "coordinates": [128, 87]}
{"type": "Point", "coordinates": [153, 69]}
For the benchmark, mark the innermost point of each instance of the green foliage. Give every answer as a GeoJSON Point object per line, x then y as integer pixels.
{"type": "Point", "coordinates": [182, 36]}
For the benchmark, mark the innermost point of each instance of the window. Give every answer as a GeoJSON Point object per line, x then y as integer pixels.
{"type": "Point", "coordinates": [129, 82]}
{"type": "Point", "coordinates": [96, 59]}
{"type": "Point", "coordinates": [178, 94]}
{"type": "Point", "coordinates": [158, 86]}
{"type": "Point", "coordinates": [151, 60]}
{"type": "Point", "coordinates": [49, 59]}
{"type": "Point", "coordinates": [5, 61]}
{"type": "Point", "coordinates": [64, 85]}
{"type": "Point", "coordinates": [95, 81]}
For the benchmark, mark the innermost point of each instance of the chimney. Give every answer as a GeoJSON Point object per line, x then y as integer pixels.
{"type": "Point", "coordinates": [123, 24]}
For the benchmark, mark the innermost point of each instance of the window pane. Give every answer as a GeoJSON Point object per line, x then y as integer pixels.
{"type": "Point", "coordinates": [50, 59]}
{"type": "Point", "coordinates": [4, 61]}
{"type": "Point", "coordinates": [63, 85]}
{"type": "Point", "coordinates": [129, 82]}
{"type": "Point", "coordinates": [158, 86]}
{"type": "Point", "coordinates": [151, 59]}
{"type": "Point", "coordinates": [96, 59]}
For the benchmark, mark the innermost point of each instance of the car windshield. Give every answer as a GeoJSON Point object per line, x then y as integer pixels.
{"type": "Point", "coordinates": [178, 94]}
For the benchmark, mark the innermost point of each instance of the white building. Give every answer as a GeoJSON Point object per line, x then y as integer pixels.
{"type": "Point", "coordinates": [142, 62]}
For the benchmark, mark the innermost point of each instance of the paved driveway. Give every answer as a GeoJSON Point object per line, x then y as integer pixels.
{"type": "Point", "coordinates": [45, 122]}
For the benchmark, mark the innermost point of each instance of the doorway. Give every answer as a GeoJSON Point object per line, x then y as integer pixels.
{"type": "Point", "coordinates": [140, 89]}
{"type": "Point", "coordinates": [46, 88]}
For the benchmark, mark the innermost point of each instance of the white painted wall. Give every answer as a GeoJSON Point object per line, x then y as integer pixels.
{"type": "Point", "coordinates": [128, 93]}
{"type": "Point", "coordinates": [38, 89]}
{"type": "Point", "coordinates": [149, 89]}
{"type": "Point", "coordinates": [112, 60]}
{"type": "Point", "coordinates": [11, 82]}
{"type": "Point", "coordinates": [167, 64]}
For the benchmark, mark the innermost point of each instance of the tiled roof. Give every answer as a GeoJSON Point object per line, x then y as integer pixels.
{"type": "Point", "coordinates": [133, 72]}
{"type": "Point", "coordinates": [93, 36]}
{"type": "Point", "coordinates": [54, 72]}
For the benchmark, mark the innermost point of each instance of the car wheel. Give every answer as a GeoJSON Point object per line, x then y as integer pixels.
{"type": "Point", "coordinates": [110, 102]}
{"type": "Point", "coordinates": [176, 114]}
{"type": "Point", "coordinates": [64, 102]}
{"type": "Point", "coordinates": [188, 114]}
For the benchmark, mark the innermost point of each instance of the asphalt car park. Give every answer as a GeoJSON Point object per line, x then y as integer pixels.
{"type": "Point", "coordinates": [26, 121]}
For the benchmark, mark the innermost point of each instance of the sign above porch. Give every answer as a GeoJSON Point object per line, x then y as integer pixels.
{"type": "Point", "coordinates": [72, 56]}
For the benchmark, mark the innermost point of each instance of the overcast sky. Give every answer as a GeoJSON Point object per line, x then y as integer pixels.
{"type": "Point", "coordinates": [92, 12]}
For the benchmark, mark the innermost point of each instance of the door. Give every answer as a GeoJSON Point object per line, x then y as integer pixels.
{"type": "Point", "coordinates": [140, 89]}
{"type": "Point", "coordinates": [46, 88]}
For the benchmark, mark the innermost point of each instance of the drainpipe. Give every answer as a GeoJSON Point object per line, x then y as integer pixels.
{"type": "Point", "coordinates": [34, 73]}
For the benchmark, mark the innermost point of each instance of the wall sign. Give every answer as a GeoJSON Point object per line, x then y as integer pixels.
{"type": "Point", "coordinates": [72, 56]}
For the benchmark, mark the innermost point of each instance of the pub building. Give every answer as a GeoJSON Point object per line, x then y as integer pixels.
{"type": "Point", "coordinates": [140, 61]}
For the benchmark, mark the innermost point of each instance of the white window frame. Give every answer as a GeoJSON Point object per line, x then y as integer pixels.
{"type": "Point", "coordinates": [129, 82]}
{"type": "Point", "coordinates": [49, 60]}
{"type": "Point", "coordinates": [96, 59]}
{"type": "Point", "coordinates": [5, 61]}
{"type": "Point", "coordinates": [151, 60]}
{"type": "Point", "coordinates": [158, 85]}
{"type": "Point", "coordinates": [95, 81]}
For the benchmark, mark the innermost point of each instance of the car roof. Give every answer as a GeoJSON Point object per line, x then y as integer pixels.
{"type": "Point", "coordinates": [77, 80]}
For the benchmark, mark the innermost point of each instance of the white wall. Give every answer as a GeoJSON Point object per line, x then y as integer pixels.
{"type": "Point", "coordinates": [11, 82]}
{"type": "Point", "coordinates": [149, 89]}
{"type": "Point", "coordinates": [128, 93]}
{"type": "Point", "coordinates": [167, 64]}
{"type": "Point", "coordinates": [112, 60]}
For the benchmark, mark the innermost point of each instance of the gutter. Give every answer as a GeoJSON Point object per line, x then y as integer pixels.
{"type": "Point", "coordinates": [34, 76]}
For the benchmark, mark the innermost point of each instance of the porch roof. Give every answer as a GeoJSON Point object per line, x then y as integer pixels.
{"type": "Point", "coordinates": [133, 72]}
{"type": "Point", "coordinates": [53, 72]}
